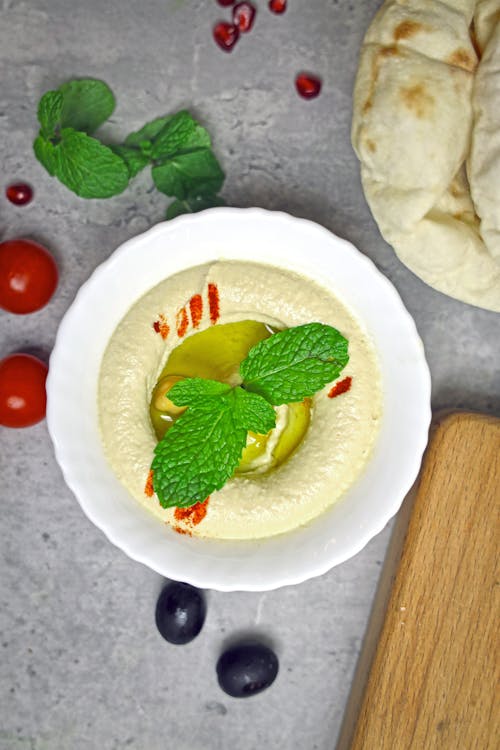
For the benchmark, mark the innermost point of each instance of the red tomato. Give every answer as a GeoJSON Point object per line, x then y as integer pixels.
{"type": "Point", "coordinates": [28, 276]}
{"type": "Point", "coordinates": [22, 390]}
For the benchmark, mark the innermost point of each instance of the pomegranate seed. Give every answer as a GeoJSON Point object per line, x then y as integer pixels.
{"type": "Point", "coordinates": [244, 16]}
{"type": "Point", "coordinates": [225, 3]}
{"type": "Point", "coordinates": [226, 35]}
{"type": "Point", "coordinates": [277, 6]}
{"type": "Point", "coordinates": [308, 85]}
{"type": "Point", "coordinates": [19, 193]}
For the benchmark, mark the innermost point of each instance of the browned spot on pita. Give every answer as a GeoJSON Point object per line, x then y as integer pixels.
{"type": "Point", "coordinates": [462, 58]}
{"type": "Point", "coordinates": [382, 53]}
{"type": "Point", "coordinates": [406, 29]}
{"type": "Point", "coordinates": [371, 146]}
{"type": "Point", "coordinates": [391, 51]}
{"type": "Point", "coordinates": [455, 191]}
{"type": "Point", "coordinates": [417, 100]}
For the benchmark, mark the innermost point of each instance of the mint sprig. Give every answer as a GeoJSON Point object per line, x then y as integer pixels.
{"type": "Point", "coordinates": [200, 452]}
{"type": "Point", "coordinates": [177, 148]}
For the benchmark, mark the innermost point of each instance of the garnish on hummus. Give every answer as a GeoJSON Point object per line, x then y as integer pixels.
{"type": "Point", "coordinates": [202, 449]}
{"type": "Point", "coordinates": [236, 406]}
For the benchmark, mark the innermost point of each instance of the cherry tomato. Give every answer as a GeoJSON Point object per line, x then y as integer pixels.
{"type": "Point", "coordinates": [22, 390]}
{"type": "Point", "coordinates": [28, 276]}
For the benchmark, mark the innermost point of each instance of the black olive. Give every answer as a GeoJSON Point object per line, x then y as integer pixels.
{"type": "Point", "coordinates": [246, 669]}
{"type": "Point", "coordinates": [180, 612]}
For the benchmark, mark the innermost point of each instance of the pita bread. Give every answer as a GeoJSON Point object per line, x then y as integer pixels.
{"type": "Point", "coordinates": [412, 125]}
{"type": "Point", "coordinates": [486, 17]}
{"type": "Point", "coordinates": [484, 159]}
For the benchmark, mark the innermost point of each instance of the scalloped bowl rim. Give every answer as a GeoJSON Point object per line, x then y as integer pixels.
{"type": "Point", "coordinates": [290, 243]}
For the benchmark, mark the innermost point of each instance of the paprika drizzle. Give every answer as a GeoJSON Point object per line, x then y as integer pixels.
{"type": "Point", "coordinates": [341, 387]}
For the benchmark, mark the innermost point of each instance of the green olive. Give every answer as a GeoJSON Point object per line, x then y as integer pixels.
{"type": "Point", "coordinates": [162, 410]}
{"type": "Point", "coordinates": [254, 459]}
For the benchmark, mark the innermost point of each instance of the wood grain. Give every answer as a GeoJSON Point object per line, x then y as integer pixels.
{"type": "Point", "coordinates": [435, 670]}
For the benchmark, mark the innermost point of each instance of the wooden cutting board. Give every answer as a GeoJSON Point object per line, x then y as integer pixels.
{"type": "Point", "coordinates": [433, 639]}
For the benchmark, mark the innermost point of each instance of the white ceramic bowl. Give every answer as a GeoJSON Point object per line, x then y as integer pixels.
{"type": "Point", "coordinates": [286, 242]}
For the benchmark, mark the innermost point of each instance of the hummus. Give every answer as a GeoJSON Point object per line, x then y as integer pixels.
{"type": "Point", "coordinates": [342, 430]}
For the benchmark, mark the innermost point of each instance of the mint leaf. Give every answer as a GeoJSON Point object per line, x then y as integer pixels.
{"type": "Point", "coordinates": [180, 133]}
{"type": "Point", "coordinates": [198, 454]}
{"type": "Point", "coordinates": [202, 449]}
{"type": "Point", "coordinates": [184, 166]}
{"type": "Point", "coordinates": [253, 411]}
{"type": "Point", "coordinates": [192, 391]}
{"type": "Point", "coordinates": [141, 138]}
{"type": "Point", "coordinates": [133, 158]}
{"type": "Point", "coordinates": [189, 175]}
{"type": "Point", "coordinates": [193, 205]}
{"type": "Point", "coordinates": [44, 152]}
{"type": "Point", "coordinates": [295, 363]}
{"type": "Point", "coordinates": [50, 108]}
{"type": "Point", "coordinates": [87, 167]}
{"type": "Point", "coordinates": [87, 103]}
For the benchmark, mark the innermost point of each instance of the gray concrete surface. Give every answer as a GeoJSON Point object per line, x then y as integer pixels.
{"type": "Point", "coordinates": [82, 666]}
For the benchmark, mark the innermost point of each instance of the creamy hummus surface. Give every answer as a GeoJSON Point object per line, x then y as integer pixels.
{"type": "Point", "coordinates": [342, 430]}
